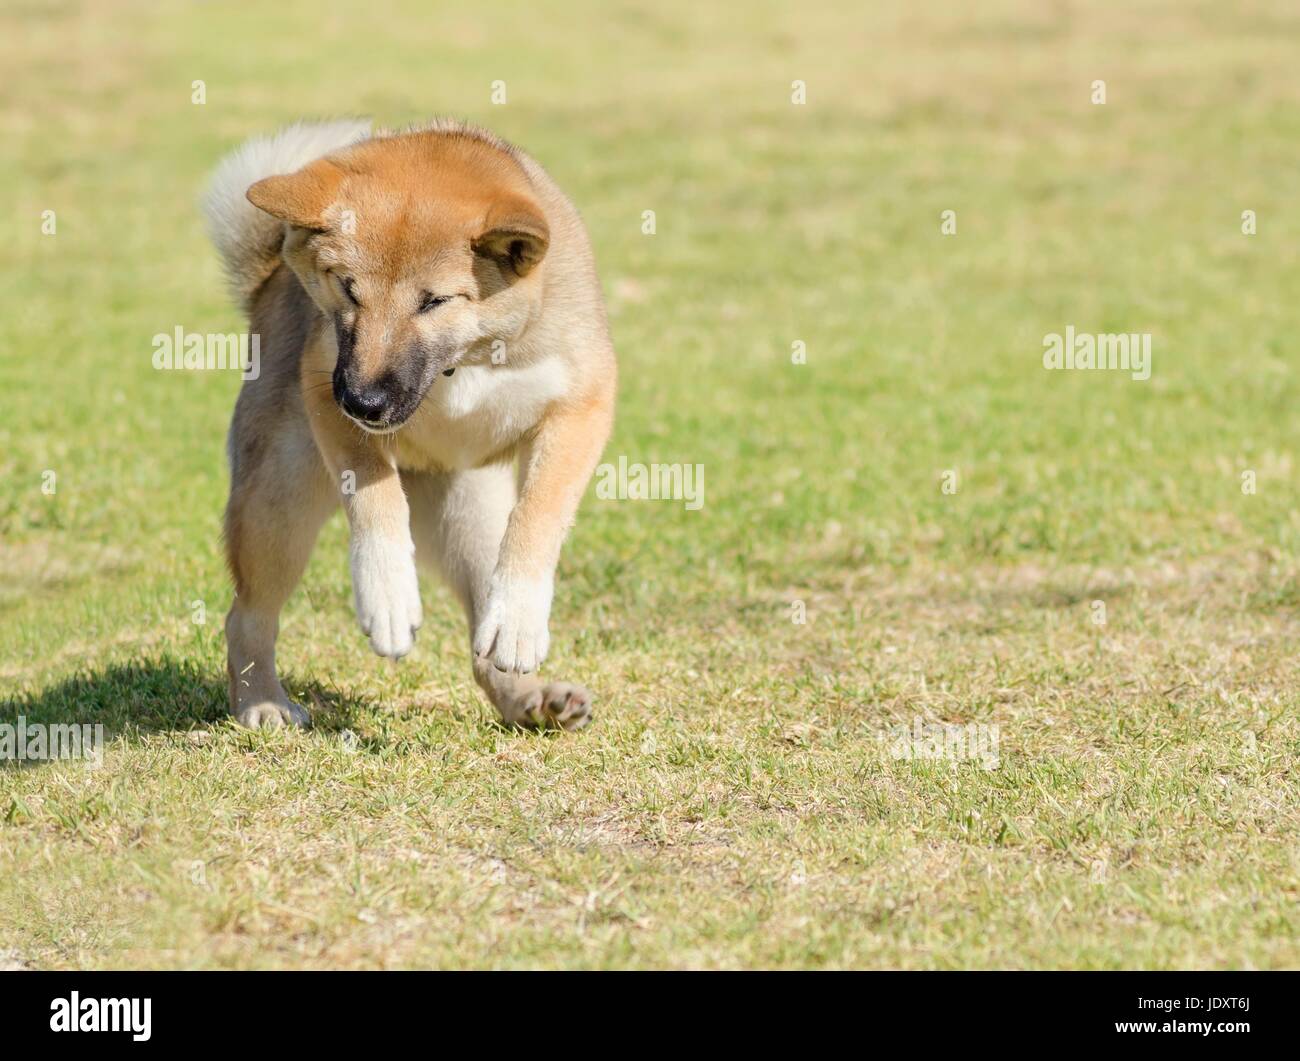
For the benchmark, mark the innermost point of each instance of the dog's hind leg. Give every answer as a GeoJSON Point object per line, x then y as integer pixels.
{"type": "Point", "coordinates": [458, 520]}
{"type": "Point", "coordinates": [281, 494]}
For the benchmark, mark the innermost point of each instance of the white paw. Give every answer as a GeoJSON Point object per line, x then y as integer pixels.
{"type": "Point", "coordinates": [387, 593]}
{"type": "Point", "coordinates": [512, 632]}
{"type": "Point", "coordinates": [271, 714]}
{"type": "Point", "coordinates": [556, 705]}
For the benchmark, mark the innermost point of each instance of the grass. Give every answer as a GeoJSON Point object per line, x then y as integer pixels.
{"type": "Point", "coordinates": [736, 803]}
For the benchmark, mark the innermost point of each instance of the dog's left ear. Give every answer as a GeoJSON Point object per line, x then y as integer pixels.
{"type": "Point", "coordinates": [515, 234]}
{"type": "Point", "coordinates": [300, 198]}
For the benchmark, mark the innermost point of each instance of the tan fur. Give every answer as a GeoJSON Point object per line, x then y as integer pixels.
{"type": "Point", "coordinates": [393, 222]}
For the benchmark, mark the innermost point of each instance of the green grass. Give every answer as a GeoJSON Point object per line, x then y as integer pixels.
{"type": "Point", "coordinates": [735, 804]}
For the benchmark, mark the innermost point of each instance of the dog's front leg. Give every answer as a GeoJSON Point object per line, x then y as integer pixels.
{"type": "Point", "coordinates": [557, 462]}
{"type": "Point", "coordinates": [382, 553]}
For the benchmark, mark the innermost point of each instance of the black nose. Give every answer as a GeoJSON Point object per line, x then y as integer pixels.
{"type": "Point", "coordinates": [369, 403]}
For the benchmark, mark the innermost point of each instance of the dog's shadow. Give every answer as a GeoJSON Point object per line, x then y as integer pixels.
{"type": "Point", "coordinates": [158, 696]}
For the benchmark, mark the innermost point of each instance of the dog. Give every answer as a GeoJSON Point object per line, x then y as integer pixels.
{"type": "Point", "coordinates": [436, 361]}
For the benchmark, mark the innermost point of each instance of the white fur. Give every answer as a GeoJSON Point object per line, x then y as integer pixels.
{"type": "Point", "coordinates": [514, 627]}
{"type": "Point", "coordinates": [387, 592]}
{"type": "Point", "coordinates": [482, 408]}
{"type": "Point", "coordinates": [497, 389]}
{"type": "Point", "coordinates": [244, 236]}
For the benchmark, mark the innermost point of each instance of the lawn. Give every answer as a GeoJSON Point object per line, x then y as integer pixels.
{"type": "Point", "coordinates": [1099, 574]}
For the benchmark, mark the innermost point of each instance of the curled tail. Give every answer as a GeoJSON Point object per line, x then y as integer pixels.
{"type": "Point", "coordinates": [247, 239]}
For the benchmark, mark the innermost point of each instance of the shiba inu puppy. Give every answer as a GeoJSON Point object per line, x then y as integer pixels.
{"type": "Point", "coordinates": [436, 361]}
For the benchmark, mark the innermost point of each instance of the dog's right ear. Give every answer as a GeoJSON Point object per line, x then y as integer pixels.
{"type": "Point", "coordinates": [514, 233]}
{"type": "Point", "coordinates": [300, 198]}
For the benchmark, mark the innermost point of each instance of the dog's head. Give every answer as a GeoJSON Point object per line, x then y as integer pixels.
{"type": "Point", "coordinates": [423, 249]}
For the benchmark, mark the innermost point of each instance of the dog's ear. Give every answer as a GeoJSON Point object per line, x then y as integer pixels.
{"type": "Point", "coordinates": [514, 233]}
{"type": "Point", "coordinates": [300, 198]}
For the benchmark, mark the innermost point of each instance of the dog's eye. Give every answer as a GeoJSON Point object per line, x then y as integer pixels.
{"type": "Point", "coordinates": [349, 289]}
{"type": "Point", "coordinates": [428, 301]}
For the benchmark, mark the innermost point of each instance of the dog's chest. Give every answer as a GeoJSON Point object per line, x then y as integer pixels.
{"type": "Point", "coordinates": [480, 410]}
